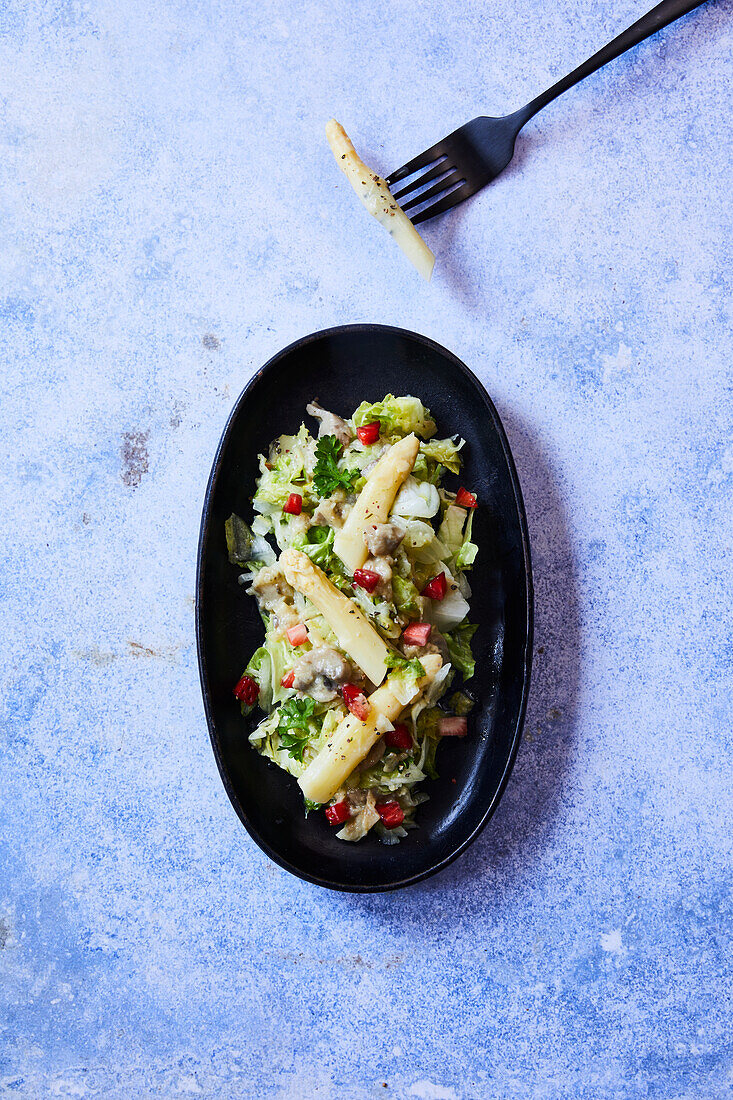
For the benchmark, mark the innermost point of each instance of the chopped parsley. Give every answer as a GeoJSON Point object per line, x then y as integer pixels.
{"type": "Point", "coordinates": [294, 726]}
{"type": "Point", "coordinates": [327, 477]}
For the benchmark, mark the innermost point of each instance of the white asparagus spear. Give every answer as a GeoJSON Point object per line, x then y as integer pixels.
{"type": "Point", "coordinates": [375, 500]}
{"type": "Point", "coordinates": [375, 194]}
{"type": "Point", "coordinates": [355, 633]}
{"type": "Point", "coordinates": [353, 738]}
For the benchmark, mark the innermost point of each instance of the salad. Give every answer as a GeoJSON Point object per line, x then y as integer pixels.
{"type": "Point", "coordinates": [365, 610]}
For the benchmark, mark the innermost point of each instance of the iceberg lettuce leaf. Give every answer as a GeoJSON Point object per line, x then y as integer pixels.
{"type": "Point", "coordinates": [444, 451]}
{"type": "Point", "coordinates": [459, 647]}
{"type": "Point", "coordinates": [398, 416]}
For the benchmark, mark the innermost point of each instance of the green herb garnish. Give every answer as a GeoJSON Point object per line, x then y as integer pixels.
{"type": "Point", "coordinates": [327, 477]}
{"type": "Point", "coordinates": [293, 726]}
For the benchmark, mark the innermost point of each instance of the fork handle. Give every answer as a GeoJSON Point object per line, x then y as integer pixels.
{"type": "Point", "coordinates": [649, 24]}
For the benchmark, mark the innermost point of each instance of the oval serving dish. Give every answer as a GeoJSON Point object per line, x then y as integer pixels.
{"type": "Point", "coordinates": [342, 367]}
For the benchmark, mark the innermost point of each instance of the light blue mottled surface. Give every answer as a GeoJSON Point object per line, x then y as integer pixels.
{"type": "Point", "coordinates": [165, 179]}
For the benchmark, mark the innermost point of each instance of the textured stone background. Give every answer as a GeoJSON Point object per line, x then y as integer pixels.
{"type": "Point", "coordinates": [171, 217]}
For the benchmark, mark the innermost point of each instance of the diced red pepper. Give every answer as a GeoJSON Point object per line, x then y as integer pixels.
{"type": "Point", "coordinates": [399, 738]}
{"type": "Point", "coordinates": [366, 578]}
{"type": "Point", "coordinates": [436, 588]}
{"type": "Point", "coordinates": [465, 499]}
{"type": "Point", "coordinates": [417, 633]}
{"type": "Point", "coordinates": [391, 814]}
{"type": "Point", "coordinates": [294, 504]}
{"type": "Point", "coordinates": [289, 680]}
{"type": "Point", "coordinates": [453, 727]}
{"type": "Point", "coordinates": [369, 433]}
{"type": "Point", "coordinates": [356, 701]}
{"type": "Point", "coordinates": [297, 635]}
{"type": "Point", "coordinates": [247, 691]}
{"type": "Point", "coordinates": [338, 813]}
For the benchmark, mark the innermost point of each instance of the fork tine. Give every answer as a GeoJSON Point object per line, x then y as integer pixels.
{"type": "Point", "coordinates": [414, 165]}
{"type": "Point", "coordinates": [442, 205]}
{"type": "Point", "coordinates": [439, 170]}
{"type": "Point", "coordinates": [438, 188]}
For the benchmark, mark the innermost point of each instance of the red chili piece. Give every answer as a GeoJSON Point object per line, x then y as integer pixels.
{"type": "Point", "coordinates": [465, 499]}
{"type": "Point", "coordinates": [366, 578]}
{"type": "Point", "coordinates": [338, 813]}
{"type": "Point", "coordinates": [391, 814]}
{"type": "Point", "coordinates": [417, 633]}
{"type": "Point", "coordinates": [399, 738]}
{"type": "Point", "coordinates": [297, 634]}
{"type": "Point", "coordinates": [289, 680]}
{"type": "Point", "coordinates": [294, 504]}
{"type": "Point", "coordinates": [356, 701]}
{"type": "Point", "coordinates": [453, 727]}
{"type": "Point", "coordinates": [369, 433]}
{"type": "Point", "coordinates": [247, 691]}
{"type": "Point", "coordinates": [436, 588]}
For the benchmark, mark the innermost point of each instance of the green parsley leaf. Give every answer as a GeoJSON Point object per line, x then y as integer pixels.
{"type": "Point", "coordinates": [311, 805]}
{"type": "Point", "coordinates": [293, 726]}
{"type": "Point", "coordinates": [327, 477]}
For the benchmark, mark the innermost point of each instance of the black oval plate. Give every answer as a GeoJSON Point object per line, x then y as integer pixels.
{"type": "Point", "coordinates": [342, 367]}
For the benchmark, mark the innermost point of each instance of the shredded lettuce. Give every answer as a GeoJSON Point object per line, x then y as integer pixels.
{"type": "Point", "coordinates": [286, 470]}
{"type": "Point", "coordinates": [448, 613]}
{"type": "Point", "coordinates": [466, 555]}
{"type": "Point", "coordinates": [433, 692]}
{"type": "Point", "coordinates": [398, 416]}
{"type": "Point", "coordinates": [408, 665]}
{"type": "Point", "coordinates": [281, 656]}
{"type": "Point", "coordinates": [421, 546]}
{"type": "Point", "coordinates": [450, 531]}
{"type": "Point", "coordinates": [421, 471]}
{"type": "Point", "coordinates": [268, 665]}
{"type": "Point", "coordinates": [391, 774]}
{"type": "Point", "coordinates": [239, 540]}
{"type": "Point", "coordinates": [274, 488]}
{"type": "Point", "coordinates": [428, 764]}
{"type": "Point", "coordinates": [459, 647]}
{"type": "Point", "coordinates": [262, 525]}
{"type": "Point", "coordinates": [417, 500]}
{"type": "Point", "coordinates": [444, 451]}
{"type": "Point", "coordinates": [404, 675]}
{"type": "Point", "coordinates": [428, 733]}
{"type": "Point", "coordinates": [317, 543]}
{"type": "Point", "coordinates": [382, 613]}
{"type": "Point", "coordinates": [427, 470]}
{"type": "Point", "coordinates": [406, 596]}
{"type": "Point", "coordinates": [389, 836]}
{"type": "Point", "coordinates": [291, 456]}
{"type": "Point", "coordinates": [455, 534]}
{"type": "Point", "coordinates": [461, 703]}
{"type": "Point", "coordinates": [360, 455]}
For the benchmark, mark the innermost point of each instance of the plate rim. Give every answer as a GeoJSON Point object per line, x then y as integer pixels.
{"type": "Point", "coordinates": [356, 888]}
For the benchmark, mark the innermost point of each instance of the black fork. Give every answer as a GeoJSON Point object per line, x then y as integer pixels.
{"type": "Point", "coordinates": [472, 156]}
